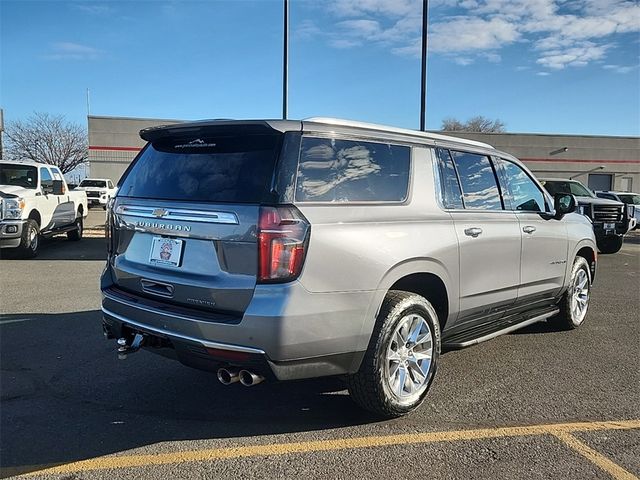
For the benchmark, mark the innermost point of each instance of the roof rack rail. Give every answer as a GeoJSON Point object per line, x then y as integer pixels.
{"type": "Point", "coordinates": [403, 131]}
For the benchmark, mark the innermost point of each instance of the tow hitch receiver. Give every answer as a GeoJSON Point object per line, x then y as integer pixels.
{"type": "Point", "coordinates": [124, 349]}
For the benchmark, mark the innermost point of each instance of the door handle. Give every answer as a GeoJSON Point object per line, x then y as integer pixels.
{"type": "Point", "coordinates": [528, 229]}
{"type": "Point", "coordinates": [472, 232]}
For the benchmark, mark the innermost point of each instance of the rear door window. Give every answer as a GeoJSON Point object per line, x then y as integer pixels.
{"type": "Point", "coordinates": [478, 181]}
{"type": "Point", "coordinates": [342, 171]}
{"type": "Point", "coordinates": [227, 169]}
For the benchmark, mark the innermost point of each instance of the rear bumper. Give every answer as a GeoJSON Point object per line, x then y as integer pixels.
{"type": "Point", "coordinates": [294, 333]}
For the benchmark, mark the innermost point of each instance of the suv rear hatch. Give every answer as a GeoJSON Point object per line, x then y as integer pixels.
{"type": "Point", "coordinates": [184, 225]}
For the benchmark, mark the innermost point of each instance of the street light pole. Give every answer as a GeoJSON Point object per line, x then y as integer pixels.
{"type": "Point", "coordinates": [285, 62]}
{"type": "Point", "coordinates": [423, 78]}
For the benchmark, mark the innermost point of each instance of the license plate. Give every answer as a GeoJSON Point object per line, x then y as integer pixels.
{"type": "Point", "coordinates": [166, 251]}
{"type": "Point", "coordinates": [609, 226]}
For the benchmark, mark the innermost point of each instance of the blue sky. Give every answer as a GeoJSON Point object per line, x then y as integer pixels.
{"type": "Point", "coordinates": [539, 65]}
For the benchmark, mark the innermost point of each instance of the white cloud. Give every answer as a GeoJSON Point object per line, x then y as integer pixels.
{"type": "Point", "coordinates": [72, 51]}
{"type": "Point", "coordinates": [92, 8]}
{"type": "Point", "coordinates": [577, 56]}
{"type": "Point", "coordinates": [562, 33]}
{"type": "Point", "coordinates": [621, 68]}
{"type": "Point", "coordinates": [543, 74]}
{"type": "Point", "coordinates": [465, 34]}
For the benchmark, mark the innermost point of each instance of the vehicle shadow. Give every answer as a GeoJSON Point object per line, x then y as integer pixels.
{"type": "Point", "coordinates": [66, 397]}
{"type": "Point", "coordinates": [59, 248]}
{"type": "Point", "coordinates": [539, 327]}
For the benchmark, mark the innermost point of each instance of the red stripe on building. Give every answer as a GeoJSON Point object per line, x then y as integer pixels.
{"type": "Point", "coordinates": [575, 160]}
{"type": "Point", "coordinates": [115, 149]}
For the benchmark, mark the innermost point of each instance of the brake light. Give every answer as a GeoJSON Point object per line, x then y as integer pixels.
{"type": "Point", "coordinates": [283, 237]}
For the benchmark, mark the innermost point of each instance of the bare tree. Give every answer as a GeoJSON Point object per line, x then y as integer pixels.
{"type": "Point", "coordinates": [474, 124]}
{"type": "Point", "coordinates": [48, 139]}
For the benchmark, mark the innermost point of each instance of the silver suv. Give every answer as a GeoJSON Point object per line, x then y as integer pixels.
{"type": "Point", "coordinates": [282, 250]}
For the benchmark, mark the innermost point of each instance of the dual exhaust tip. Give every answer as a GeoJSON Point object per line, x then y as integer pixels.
{"type": "Point", "coordinates": [227, 376]}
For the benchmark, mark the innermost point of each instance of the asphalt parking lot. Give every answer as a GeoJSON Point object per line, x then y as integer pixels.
{"type": "Point", "coordinates": [534, 404]}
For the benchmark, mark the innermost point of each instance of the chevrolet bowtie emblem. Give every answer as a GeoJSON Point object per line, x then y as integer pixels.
{"type": "Point", "coordinates": [160, 212]}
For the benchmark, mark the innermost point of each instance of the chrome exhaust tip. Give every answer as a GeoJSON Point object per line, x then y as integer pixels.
{"type": "Point", "coordinates": [249, 379]}
{"type": "Point", "coordinates": [227, 376]}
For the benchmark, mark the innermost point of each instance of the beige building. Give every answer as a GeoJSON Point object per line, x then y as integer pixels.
{"type": "Point", "coordinates": [602, 163]}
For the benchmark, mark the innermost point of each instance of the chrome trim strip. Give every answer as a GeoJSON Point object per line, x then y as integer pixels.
{"type": "Point", "coordinates": [205, 343]}
{"type": "Point", "coordinates": [205, 216]}
{"type": "Point", "coordinates": [510, 329]}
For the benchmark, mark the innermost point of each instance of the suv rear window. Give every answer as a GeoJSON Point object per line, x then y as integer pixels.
{"type": "Point", "coordinates": [227, 169]}
{"type": "Point", "coordinates": [340, 171]}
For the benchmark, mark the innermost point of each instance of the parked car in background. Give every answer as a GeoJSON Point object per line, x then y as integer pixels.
{"type": "Point", "coordinates": [283, 250]}
{"type": "Point", "coordinates": [632, 200]}
{"type": "Point", "coordinates": [34, 202]}
{"type": "Point", "coordinates": [99, 191]}
{"type": "Point", "coordinates": [610, 219]}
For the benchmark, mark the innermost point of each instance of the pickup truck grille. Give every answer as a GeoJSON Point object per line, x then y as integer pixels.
{"type": "Point", "coordinates": [608, 213]}
{"type": "Point", "coordinates": [93, 194]}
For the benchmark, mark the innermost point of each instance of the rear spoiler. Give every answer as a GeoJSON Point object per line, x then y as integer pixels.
{"type": "Point", "coordinates": [218, 127]}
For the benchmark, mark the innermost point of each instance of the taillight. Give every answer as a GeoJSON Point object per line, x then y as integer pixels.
{"type": "Point", "coordinates": [283, 235]}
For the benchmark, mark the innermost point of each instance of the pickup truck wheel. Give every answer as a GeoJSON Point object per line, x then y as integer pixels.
{"type": "Point", "coordinates": [76, 234]}
{"type": "Point", "coordinates": [611, 244]}
{"type": "Point", "coordinates": [30, 240]}
{"type": "Point", "coordinates": [575, 301]}
{"type": "Point", "coordinates": [400, 363]}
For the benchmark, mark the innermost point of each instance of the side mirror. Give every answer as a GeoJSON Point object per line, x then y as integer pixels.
{"type": "Point", "coordinates": [564, 203]}
{"type": "Point", "coordinates": [58, 187]}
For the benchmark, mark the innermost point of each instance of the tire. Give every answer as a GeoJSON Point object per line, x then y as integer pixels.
{"type": "Point", "coordinates": [30, 240]}
{"type": "Point", "coordinates": [76, 235]}
{"type": "Point", "coordinates": [378, 385]}
{"type": "Point", "coordinates": [611, 244]}
{"type": "Point", "coordinates": [572, 315]}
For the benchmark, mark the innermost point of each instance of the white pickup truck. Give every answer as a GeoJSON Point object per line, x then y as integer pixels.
{"type": "Point", "coordinates": [35, 201]}
{"type": "Point", "coordinates": [99, 191]}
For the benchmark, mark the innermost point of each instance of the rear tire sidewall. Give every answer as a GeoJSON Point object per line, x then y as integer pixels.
{"type": "Point", "coordinates": [76, 235]}
{"type": "Point", "coordinates": [428, 313]}
{"type": "Point", "coordinates": [369, 386]}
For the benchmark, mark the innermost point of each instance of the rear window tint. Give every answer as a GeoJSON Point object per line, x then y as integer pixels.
{"type": "Point", "coordinates": [235, 169]}
{"type": "Point", "coordinates": [340, 171]}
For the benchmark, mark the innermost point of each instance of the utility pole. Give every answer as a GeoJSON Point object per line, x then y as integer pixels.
{"type": "Point", "coordinates": [285, 61]}
{"type": "Point", "coordinates": [423, 78]}
{"type": "Point", "coordinates": [1, 130]}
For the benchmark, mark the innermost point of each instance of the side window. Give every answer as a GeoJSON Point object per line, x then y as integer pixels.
{"type": "Point", "coordinates": [340, 171]}
{"type": "Point", "coordinates": [520, 191]}
{"type": "Point", "coordinates": [478, 181]}
{"type": "Point", "coordinates": [451, 193]}
{"type": "Point", "coordinates": [45, 178]}
{"type": "Point", "coordinates": [56, 174]}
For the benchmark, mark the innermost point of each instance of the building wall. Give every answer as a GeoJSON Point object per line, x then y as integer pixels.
{"type": "Point", "coordinates": [545, 155]}
{"type": "Point", "coordinates": [115, 141]}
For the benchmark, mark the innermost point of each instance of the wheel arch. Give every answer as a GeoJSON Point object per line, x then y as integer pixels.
{"type": "Point", "coordinates": [589, 252]}
{"type": "Point", "coordinates": [35, 215]}
{"type": "Point", "coordinates": [423, 276]}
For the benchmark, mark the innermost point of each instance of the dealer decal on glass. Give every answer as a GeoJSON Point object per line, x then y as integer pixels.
{"type": "Point", "coordinates": [166, 251]}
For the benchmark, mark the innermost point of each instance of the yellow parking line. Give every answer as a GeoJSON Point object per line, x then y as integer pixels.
{"type": "Point", "coordinates": [129, 461]}
{"type": "Point", "coordinates": [613, 469]}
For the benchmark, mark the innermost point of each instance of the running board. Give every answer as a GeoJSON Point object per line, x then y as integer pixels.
{"type": "Point", "coordinates": [58, 231]}
{"type": "Point", "coordinates": [503, 331]}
